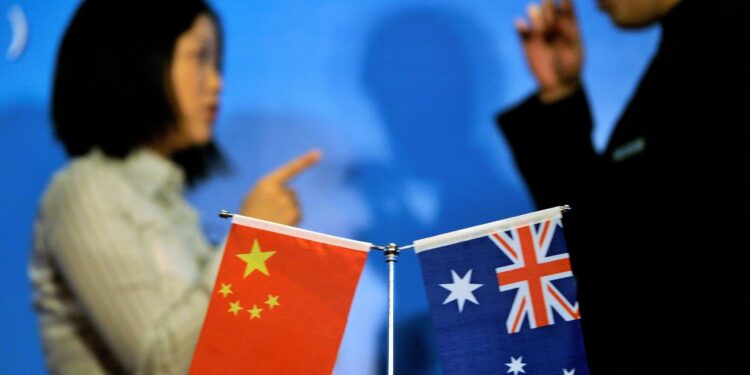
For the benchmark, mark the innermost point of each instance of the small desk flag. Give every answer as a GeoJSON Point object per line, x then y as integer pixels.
{"type": "Point", "coordinates": [503, 298]}
{"type": "Point", "coordinates": [281, 301]}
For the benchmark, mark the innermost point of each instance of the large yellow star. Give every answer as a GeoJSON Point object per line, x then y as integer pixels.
{"type": "Point", "coordinates": [272, 301]}
{"type": "Point", "coordinates": [256, 259]}
{"type": "Point", "coordinates": [225, 289]}
{"type": "Point", "coordinates": [234, 307]}
{"type": "Point", "coordinates": [255, 312]}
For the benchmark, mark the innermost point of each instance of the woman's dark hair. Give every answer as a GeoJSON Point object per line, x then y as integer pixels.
{"type": "Point", "coordinates": [112, 86]}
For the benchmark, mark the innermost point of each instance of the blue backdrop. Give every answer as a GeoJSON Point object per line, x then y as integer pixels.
{"type": "Point", "coordinates": [400, 96]}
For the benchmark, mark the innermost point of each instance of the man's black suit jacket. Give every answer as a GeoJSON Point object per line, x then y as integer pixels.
{"type": "Point", "coordinates": [657, 234]}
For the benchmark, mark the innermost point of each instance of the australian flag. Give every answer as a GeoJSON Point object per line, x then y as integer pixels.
{"type": "Point", "coordinates": [503, 298]}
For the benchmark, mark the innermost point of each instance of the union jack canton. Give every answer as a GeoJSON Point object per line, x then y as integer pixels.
{"type": "Point", "coordinates": [532, 272]}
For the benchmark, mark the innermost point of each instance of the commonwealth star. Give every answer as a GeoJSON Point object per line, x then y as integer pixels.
{"type": "Point", "coordinates": [461, 290]}
{"type": "Point", "coordinates": [516, 365]}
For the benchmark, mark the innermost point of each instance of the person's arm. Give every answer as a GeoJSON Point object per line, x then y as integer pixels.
{"type": "Point", "coordinates": [112, 267]}
{"type": "Point", "coordinates": [271, 198]}
{"type": "Point", "coordinates": [550, 132]}
{"type": "Point", "coordinates": [552, 147]}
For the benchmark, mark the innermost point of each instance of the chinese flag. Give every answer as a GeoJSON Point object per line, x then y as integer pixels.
{"type": "Point", "coordinates": [280, 302]}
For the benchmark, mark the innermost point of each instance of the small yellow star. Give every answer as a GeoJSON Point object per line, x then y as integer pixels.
{"type": "Point", "coordinates": [256, 259]}
{"type": "Point", "coordinates": [272, 301]}
{"type": "Point", "coordinates": [234, 307]}
{"type": "Point", "coordinates": [255, 312]}
{"type": "Point", "coordinates": [225, 289]}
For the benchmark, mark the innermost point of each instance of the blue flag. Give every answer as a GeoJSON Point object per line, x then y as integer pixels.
{"type": "Point", "coordinates": [503, 298]}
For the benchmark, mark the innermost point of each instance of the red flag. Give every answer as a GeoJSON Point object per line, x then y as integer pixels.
{"type": "Point", "coordinates": [281, 301]}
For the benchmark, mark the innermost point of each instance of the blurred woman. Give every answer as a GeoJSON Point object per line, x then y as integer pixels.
{"type": "Point", "coordinates": [121, 271]}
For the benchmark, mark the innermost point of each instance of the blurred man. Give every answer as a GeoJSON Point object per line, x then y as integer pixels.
{"type": "Point", "coordinates": [657, 230]}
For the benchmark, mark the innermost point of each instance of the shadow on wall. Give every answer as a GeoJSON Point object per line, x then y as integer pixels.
{"type": "Point", "coordinates": [256, 143]}
{"type": "Point", "coordinates": [425, 70]}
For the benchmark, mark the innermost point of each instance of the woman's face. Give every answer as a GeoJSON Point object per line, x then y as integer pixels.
{"type": "Point", "coordinates": [196, 84]}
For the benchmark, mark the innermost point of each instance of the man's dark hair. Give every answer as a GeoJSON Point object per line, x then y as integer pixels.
{"type": "Point", "coordinates": [112, 87]}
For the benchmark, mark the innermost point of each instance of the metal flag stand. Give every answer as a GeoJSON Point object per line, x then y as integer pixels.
{"type": "Point", "coordinates": [391, 252]}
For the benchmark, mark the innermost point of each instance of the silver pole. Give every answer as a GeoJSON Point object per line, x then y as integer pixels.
{"type": "Point", "coordinates": [391, 257]}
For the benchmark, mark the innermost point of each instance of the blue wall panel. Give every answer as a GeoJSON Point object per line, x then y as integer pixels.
{"type": "Point", "coordinates": [399, 95]}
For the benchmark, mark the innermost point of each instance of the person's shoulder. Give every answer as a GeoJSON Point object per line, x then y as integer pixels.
{"type": "Point", "coordinates": [85, 180]}
{"type": "Point", "coordinates": [736, 4]}
{"type": "Point", "coordinates": [707, 15]}
{"type": "Point", "coordinates": [722, 13]}
{"type": "Point", "coordinates": [728, 27]}
{"type": "Point", "coordinates": [735, 11]}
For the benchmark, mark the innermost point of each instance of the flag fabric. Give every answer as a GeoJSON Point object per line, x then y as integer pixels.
{"type": "Point", "coordinates": [503, 298]}
{"type": "Point", "coordinates": [280, 302]}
